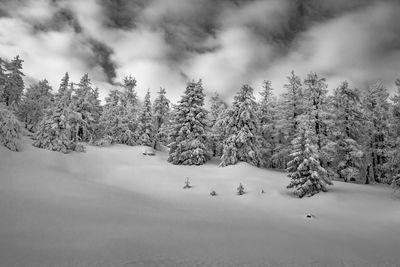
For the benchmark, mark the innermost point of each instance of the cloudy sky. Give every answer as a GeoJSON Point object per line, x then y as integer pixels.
{"type": "Point", "coordinates": [224, 42]}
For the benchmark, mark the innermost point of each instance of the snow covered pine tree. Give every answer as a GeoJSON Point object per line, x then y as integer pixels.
{"type": "Point", "coordinates": [54, 130]}
{"type": "Point", "coordinates": [241, 129]}
{"type": "Point", "coordinates": [10, 129]}
{"type": "Point", "coordinates": [307, 175]}
{"type": "Point", "coordinates": [188, 136]}
{"type": "Point", "coordinates": [145, 123]}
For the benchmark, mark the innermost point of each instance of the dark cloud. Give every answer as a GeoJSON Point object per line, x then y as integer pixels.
{"type": "Point", "coordinates": [102, 57]}
{"type": "Point", "coordinates": [61, 19]}
{"type": "Point", "coordinates": [122, 14]}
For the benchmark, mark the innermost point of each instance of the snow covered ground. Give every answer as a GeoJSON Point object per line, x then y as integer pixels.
{"type": "Point", "coordinates": [114, 206]}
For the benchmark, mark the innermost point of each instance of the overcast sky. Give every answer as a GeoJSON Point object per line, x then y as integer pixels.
{"type": "Point", "coordinates": [225, 42]}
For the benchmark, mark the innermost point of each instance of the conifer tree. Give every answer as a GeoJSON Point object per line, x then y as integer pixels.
{"type": "Point", "coordinates": [54, 131]}
{"type": "Point", "coordinates": [266, 113]}
{"type": "Point", "coordinates": [241, 127]}
{"type": "Point", "coordinates": [145, 123]}
{"type": "Point", "coordinates": [307, 176]}
{"type": "Point", "coordinates": [86, 108]}
{"type": "Point", "coordinates": [10, 130]}
{"type": "Point", "coordinates": [37, 98]}
{"type": "Point", "coordinates": [130, 104]}
{"type": "Point", "coordinates": [217, 110]}
{"type": "Point", "coordinates": [189, 130]}
{"type": "Point", "coordinates": [2, 78]}
{"type": "Point", "coordinates": [376, 108]}
{"type": "Point", "coordinates": [14, 83]}
{"type": "Point", "coordinates": [316, 107]}
{"type": "Point", "coordinates": [114, 122]}
{"type": "Point", "coordinates": [393, 165]}
{"type": "Point", "coordinates": [348, 132]}
{"type": "Point", "coordinates": [291, 105]}
{"type": "Point", "coordinates": [161, 116]}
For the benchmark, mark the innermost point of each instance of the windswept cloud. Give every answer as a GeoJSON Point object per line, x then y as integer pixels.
{"type": "Point", "coordinates": [226, 43]}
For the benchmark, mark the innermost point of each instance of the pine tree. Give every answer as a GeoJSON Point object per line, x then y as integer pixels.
{"type": "Point", "coordinates": [348, 132]}
{"type": "Point", "coordinates": [161, 116]}
{"type": "Point", "coordinates": [289, 107]}
{"type": "Point", "coordinates": [376, 108]}
{"type": "Point", "coordinates": [54, 131]}
{"type": "Point", "coordinates": [145, 123]}
{"type": "Point", "coordinates": [14, 83]}
{"type": "Point", "coordinates": [189, 132]}
{"type": "Point", "coordinates": [114, 122]}
{"type": "Point", "coordinates": [10, 130]}
{"type": "Point", "coordinates": [217, 110]}
{"type": "Point", "coordinates": [266, 113]}
{"type": "Point", "coordinates": [241, 127]}
{"type": "Point", "coordinates": [130, 103]}
{"type": "Point", "coordinates": [86, 108]}
{"type": "Point", "coordinates": [393, 164]}
{"type": "Point", "coordinates": [2, 78]}
{"type": "Point", "coordinates": [317, 109]}
{"type": "Point", "coordinates": [306, 174]}
{"type": "Point", "coordinates": [36, 100]}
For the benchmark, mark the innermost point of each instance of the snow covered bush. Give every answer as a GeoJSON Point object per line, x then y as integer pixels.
{"type": "Point", "coordinates": [396, 182]}
{"type": "Point", "coordinates": [187, 184]}
{"type": "Point", "coordinates": [240, 190]}
{"type": "Point", "coordinates": [10, 129]}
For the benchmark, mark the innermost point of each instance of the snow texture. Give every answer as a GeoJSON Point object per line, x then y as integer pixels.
{"type": "Point", "coordinates": [112, 206]}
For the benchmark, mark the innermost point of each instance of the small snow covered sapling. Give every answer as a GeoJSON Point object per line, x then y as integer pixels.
{"type": "Point", "coordinates": [213, 193]}
{"type": "Point", "coordinates": [240, 189]}
{"type": "Point", "coordinates": [187, 184]}
{"type": "Point", "coordinates": [396, 183]}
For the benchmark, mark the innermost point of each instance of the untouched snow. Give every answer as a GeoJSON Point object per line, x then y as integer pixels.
{"type": "Point", "coordinates": [114, 206]}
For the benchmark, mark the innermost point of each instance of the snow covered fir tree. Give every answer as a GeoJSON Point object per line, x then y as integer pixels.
{"type": "Point", "coordinates": [307, 176]}
{"type": "Point", "coordinates": [188, 137]}
{"type": "Point", "coordinates": [241, 128]}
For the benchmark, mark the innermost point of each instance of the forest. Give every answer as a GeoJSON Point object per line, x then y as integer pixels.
{"type": "Point", "coordinates": [317, 134]}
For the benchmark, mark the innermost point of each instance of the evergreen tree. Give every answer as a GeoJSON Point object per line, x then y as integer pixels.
{"type": "Point", "coordinates": [114, 121]}
{"type": "Point", "coordinates": [376, 108]}
{"type": "Point", "coordinates": [145, 123]}
{"type": "Point", "coordinates": [289, 107]}
{"type": "Point", "coordinates": [217, 111]}
{"type": "Point", "coordinates": [348, 132]}
{"type": "Point", "coordinates": [161, 116]}
{"type": "Point", "coordinates": [307, 175]}
{"type": "Point", "coordinates": [36, 100]}
{"type": "Point", "coordinates": [393, 165]}
{"type": "Point", "coordinates": [316, 107]}
{"type": "Point", "coordinates": [10, 130]}
{"type": "Point", "coordinates": [14, 83]}
{"type": "Point", "coordinates": [266, 113]}
{"type": "Point", "coordinates": [54, 131]}
{"type": "Point", "coordinates": [86, 108]}
{"type": "Point", "coordinates": [64, 88]}
{"type": "Point", "coordinates": [241, 127]}
{"type": "Point", "coordinates": [130, 103]}
{"type": "Point", "coordinates": [189, 132]}
{"type": "Point", "coordinates": [2, 78]}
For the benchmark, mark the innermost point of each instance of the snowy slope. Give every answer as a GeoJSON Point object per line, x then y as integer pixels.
{"type": "Point", "coordinates": [115, 207]}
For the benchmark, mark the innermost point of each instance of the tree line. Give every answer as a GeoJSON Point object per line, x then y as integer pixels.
{"type": "Point", "coordinates": [317, 136]}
